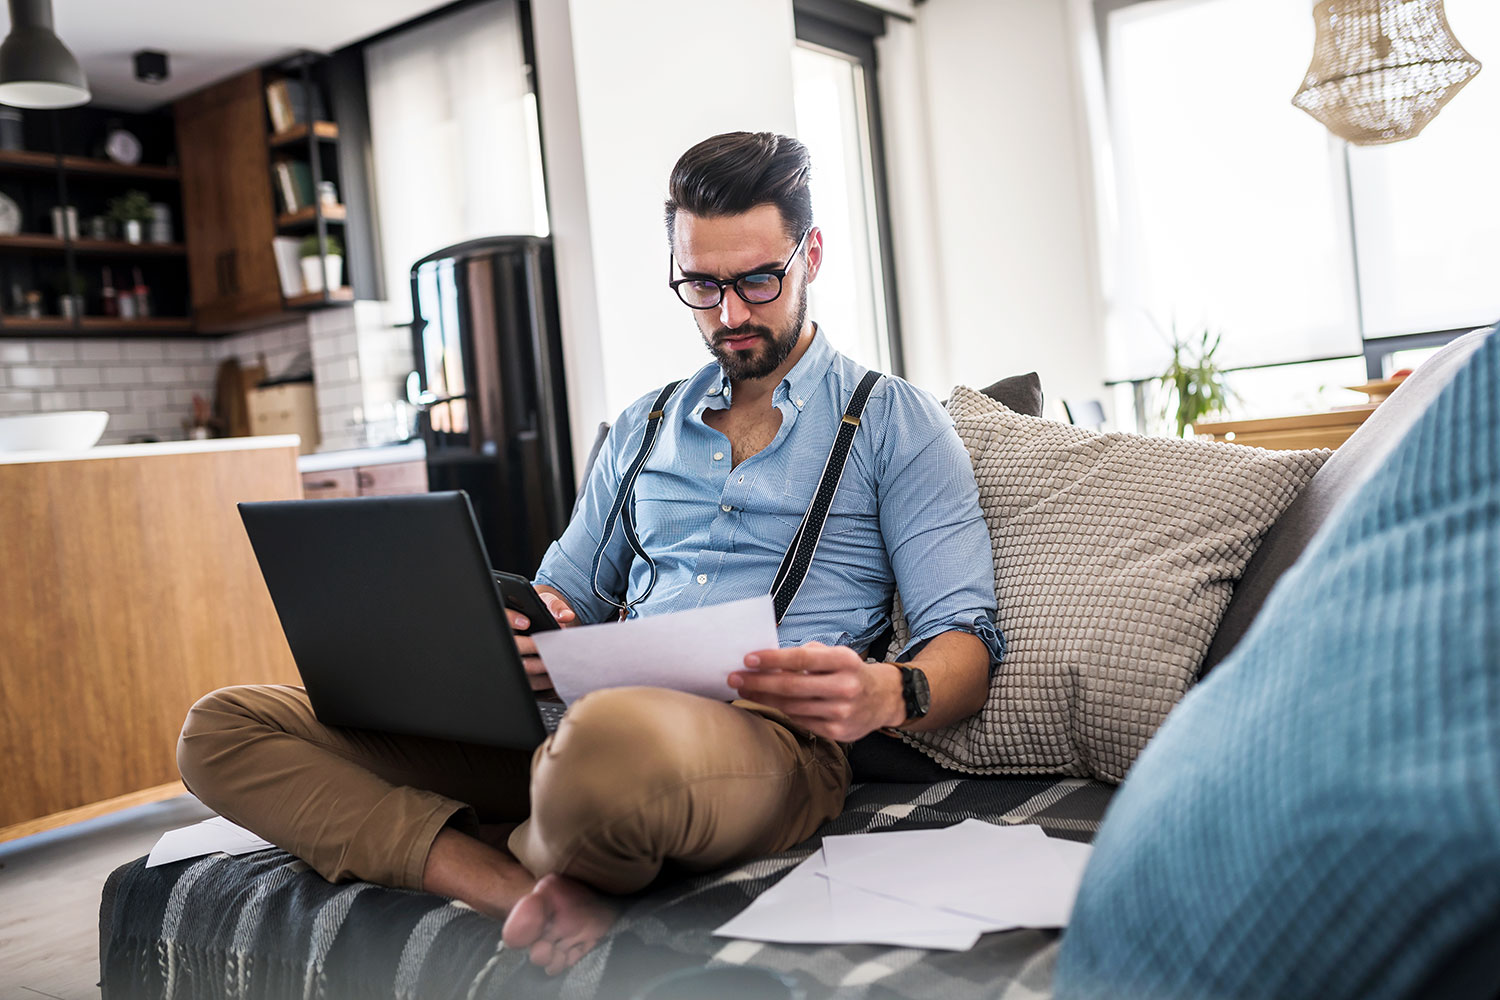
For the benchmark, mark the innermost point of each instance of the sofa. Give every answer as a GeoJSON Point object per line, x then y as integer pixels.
{"type": "Point", "coordinates": [264, 925]}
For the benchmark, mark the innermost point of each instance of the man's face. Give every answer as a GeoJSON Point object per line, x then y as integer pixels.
{"type": "Point", "coordinates": [749, 341]}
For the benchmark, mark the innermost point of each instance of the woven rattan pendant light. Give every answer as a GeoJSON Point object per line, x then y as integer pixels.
{"type": "Point", "coordinates": [1382, 69]}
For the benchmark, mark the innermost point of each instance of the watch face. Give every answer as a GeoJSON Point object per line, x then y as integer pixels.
{"type": "Point", "coordinates": [10, 217]}
{"type": "Point", "coordinates": [921, 691]}
{"type": "Point", "coordinates": [122, 146]}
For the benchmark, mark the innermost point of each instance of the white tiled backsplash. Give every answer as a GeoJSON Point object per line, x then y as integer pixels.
{"type": "Point", "coordinates": [147, 385]}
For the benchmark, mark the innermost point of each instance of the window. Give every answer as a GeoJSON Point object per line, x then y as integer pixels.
{"type": "Point", "coordinates": [1237, 212]}
{"type": "Point", "coordinates": [455, 144]}
{"type": "Point", "coordinates": [837, 112]}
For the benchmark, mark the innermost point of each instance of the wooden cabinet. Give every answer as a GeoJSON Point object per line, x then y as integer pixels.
{"type": "Point", "coordinates": [389, 479]}
{"type": "Point", "coordinates": [228, 217]}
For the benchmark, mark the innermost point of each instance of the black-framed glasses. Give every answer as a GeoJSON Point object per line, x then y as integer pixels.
{"type": "Point", "coordinates": [755, 287]}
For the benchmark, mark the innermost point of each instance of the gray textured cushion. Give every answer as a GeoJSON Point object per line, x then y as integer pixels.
{"type": "Point", "coordinates": [1343, 473]}
{"type": "Point", "coordinates": [1114, 559]}
{"type": "Point", "coordinates": [1021, 393]}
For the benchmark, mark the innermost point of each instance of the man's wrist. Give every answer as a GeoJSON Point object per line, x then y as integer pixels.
{"type": "Point", "coordinates": [895, 698]}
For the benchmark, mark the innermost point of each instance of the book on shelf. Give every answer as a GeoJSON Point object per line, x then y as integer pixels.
{"type": "Point", "coordinates": [288, 264]}
{"type": "Point", "coordinates": [291, 102]}
{"type": "Point", "coordinates": [294, 185]}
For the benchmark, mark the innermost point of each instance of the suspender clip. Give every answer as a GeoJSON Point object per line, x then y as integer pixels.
{"type": "Point", "coordinates": [851, 420]}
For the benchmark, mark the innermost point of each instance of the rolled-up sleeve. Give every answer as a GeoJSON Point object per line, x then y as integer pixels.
{"type": "Point", "coordinates": [568, 564]}
{"type": "Point", "coordinates": [933, 528]}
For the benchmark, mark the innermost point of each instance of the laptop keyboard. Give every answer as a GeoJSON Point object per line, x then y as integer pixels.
{"type": "Point", "coordinates": [552, 713]}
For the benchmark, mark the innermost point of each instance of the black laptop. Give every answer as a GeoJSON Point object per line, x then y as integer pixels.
{"type": "Point", "coordinates": [394, 618]}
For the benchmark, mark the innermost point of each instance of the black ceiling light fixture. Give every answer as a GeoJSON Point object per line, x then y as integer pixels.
{"type": "Point", "coordinates": [151, 66]}
{"type": "Point", "coordinates": [36, 68]}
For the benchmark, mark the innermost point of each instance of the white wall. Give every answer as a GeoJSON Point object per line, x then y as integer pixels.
{"type": "Point", "coordinates": [624, 91]}
{"type": "Point", "coordinates": [992, 197]}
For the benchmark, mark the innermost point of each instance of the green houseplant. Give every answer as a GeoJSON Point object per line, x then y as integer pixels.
{"type": "Point", "coordinates": [322, 263]}
{"type": "Point", "coordinates": [1194, 386]}
{"type": "Point", "coordinates": [131, 210]}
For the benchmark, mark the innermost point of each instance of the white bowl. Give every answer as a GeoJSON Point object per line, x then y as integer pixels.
{"type": "Point", "coordinates": [66, 430]}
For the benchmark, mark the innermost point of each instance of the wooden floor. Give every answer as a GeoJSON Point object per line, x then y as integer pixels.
{"type": "Point", "coordinates": [49, 897]}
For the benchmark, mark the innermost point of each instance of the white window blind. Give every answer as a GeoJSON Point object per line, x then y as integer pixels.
{"type": "Point", "coordinates": [1232, 205]}
{"type": "Point", "coordinates": [1427, 211]}
{"type": "Point", "coordinates": [454, 139]}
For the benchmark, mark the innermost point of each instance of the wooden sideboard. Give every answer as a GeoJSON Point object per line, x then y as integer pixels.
{"type": "Point", "coordinates": [1308, 430]}
{"type": "Point", "coordinates": [127, 590]}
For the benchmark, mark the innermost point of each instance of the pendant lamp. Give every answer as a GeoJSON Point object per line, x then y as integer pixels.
{"type": "Point", "coordinates": [36, 68]}
{"type": "Point", "coordinates": [1382, 69]}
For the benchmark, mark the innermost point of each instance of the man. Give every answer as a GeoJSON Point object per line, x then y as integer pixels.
{"type": "Point", "coordinates": [635, 777]}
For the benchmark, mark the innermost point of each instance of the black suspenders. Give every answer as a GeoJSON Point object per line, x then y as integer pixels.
{"type": "Point", "coordinates": [623, 507]}
{"type": "Point", "coordinates": [799, 556]}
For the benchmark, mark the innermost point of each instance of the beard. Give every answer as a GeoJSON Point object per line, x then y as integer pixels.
{"type": "Point", "coordinates": [772, 347]}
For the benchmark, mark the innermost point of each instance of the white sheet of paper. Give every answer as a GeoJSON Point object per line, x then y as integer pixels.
{"type": "Point", "coordinates": [212, 836]}
{"type": "Point", "coordinates": [800, 909]}
{"type": "Point", "coordinates": [692, 651]}
{"type": "Point", "coordinates": [1004, 876]}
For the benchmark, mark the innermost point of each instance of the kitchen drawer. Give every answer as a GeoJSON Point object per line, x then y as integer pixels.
{"type": "Point", "coordinates": [395, 477]}
{"type": "Point", "coordinates": [330, 484]}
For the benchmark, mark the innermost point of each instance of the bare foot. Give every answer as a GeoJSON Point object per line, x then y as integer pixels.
{"type": "Point", "coordinates": [559, 921]}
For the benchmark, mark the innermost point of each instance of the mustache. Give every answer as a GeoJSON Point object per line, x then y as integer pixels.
{"type": "Point", "coordinates": [723, 334]}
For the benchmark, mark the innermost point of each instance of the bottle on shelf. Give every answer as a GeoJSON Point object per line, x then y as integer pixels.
{"type": "Point", "coordinates": [142, 296]}
{"type": "Point", "coordinates": [111, 302]}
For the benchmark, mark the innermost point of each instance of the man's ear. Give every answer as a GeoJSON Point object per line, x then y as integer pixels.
{"type": "Point", "coordinates": [814, 252]}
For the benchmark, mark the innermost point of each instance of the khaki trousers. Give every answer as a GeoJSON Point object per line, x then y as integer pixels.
{"type": "Point", "coordinates": [632, 778]}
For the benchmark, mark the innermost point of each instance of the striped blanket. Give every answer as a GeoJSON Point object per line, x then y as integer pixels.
{"type": "Point", "coordinates": [265, 926]}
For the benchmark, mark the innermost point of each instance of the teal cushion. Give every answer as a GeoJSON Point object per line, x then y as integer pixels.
{"type": "Point", "coordinates": [1321, 817]}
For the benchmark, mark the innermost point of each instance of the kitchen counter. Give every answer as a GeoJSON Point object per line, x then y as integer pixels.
{"type": "Point", "coordinates": [129, 591]}
{"type": "Point", "coordinates": [146, 450]}
{"type": "Point", "coordinates": [390, 454]}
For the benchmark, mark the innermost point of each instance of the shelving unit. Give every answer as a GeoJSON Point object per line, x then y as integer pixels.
{"type": "Point", "coordinates": [55, 169]}
{"type": "Point", "coordinates": [313, 142]}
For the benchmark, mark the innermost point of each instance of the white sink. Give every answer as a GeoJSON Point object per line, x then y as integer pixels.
{"type": "Point", "coordinates": [66, 430]}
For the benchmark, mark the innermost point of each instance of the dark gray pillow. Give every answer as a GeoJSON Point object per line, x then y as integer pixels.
{"type": "Point", "coordinates": [1021, 393]}
{"type": "Point", "coordinates": [1354, 461]}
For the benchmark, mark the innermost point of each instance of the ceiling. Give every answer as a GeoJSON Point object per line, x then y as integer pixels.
{"type": "Point", "coordinates": [208, 40]}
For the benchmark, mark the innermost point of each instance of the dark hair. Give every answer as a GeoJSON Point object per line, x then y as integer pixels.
{"type": "Point", "coordinates": [734, 172]}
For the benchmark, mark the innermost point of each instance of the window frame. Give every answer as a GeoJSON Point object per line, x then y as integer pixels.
{"type": "Point", "coordinates": [851, 28]}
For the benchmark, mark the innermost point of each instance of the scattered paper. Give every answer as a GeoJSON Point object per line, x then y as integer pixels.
{"type": "Point", "coordinates": [800, 909]}
{"type": "Point", "coordinates": [936, 889]}
{"type": "Point", "coordinates": [212, 836]}
{"type": "Point", "coordinates": [692, 651]}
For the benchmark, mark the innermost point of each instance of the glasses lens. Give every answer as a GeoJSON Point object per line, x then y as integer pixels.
{"type": "Point", "coordinates": [699, 294]}
{"type": "Point", "coordinates": [759, 287]}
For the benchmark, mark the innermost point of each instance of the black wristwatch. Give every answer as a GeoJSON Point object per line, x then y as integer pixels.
{"type": "Point", "coordinates": [915, 691]}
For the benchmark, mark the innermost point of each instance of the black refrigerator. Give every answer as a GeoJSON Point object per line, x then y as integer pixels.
{"type": "Point", "coordinates": [488, 388]}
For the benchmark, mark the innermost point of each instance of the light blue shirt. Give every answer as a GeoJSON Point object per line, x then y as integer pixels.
{"type": "Point", "coordinates": [906, 513]}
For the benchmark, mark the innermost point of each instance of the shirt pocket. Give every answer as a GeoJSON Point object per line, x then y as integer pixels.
{"type": "Point", "coordinates": [853, 507]}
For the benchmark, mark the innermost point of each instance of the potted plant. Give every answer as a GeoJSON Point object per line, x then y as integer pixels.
{"type": "Point", "coordinates": [331, 274]}
{"type": "Point", "coordinates": [1194, 385]}
{"type": "Point", "coordinates": [131, 210]}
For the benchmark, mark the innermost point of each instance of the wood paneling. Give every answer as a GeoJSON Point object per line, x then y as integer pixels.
{"type": "Point", "coordinates": [128, 591]}
{"type": "Point", "coordinates": [226, 204]}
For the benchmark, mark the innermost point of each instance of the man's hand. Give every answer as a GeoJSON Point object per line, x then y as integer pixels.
{"type": "Point", "coordinates": [536, 673]}
{"type": "Point", "coordinates": [829, 690]}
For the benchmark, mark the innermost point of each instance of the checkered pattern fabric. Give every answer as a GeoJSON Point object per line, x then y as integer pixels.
{"type": "Point", "coordinates": [265, 926]}
{"type": "Point", "coordinates": [1115, 556]}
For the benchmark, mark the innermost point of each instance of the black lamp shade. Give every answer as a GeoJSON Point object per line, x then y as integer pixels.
{"type": "Point", "coordinates": [36, 68]}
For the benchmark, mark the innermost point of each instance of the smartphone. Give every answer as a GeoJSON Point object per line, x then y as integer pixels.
{"type": "Point", "coordinates": [519, 595]}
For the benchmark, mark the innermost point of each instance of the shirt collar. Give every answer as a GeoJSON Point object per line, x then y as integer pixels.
{"type": "Point", "coordinates": [799, 383]}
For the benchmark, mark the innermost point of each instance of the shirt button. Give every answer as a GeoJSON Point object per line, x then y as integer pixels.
{"type": "Point", "coordinates": [718, 456]}
{"type": "Point", "coordinates": [702, 578]}
{"type": "Point", "coordinates": [714, 391]}
{"type": "Point", "coordinates": [725, 507]}
{"type": "Point", "coordinates": [799, 402]}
